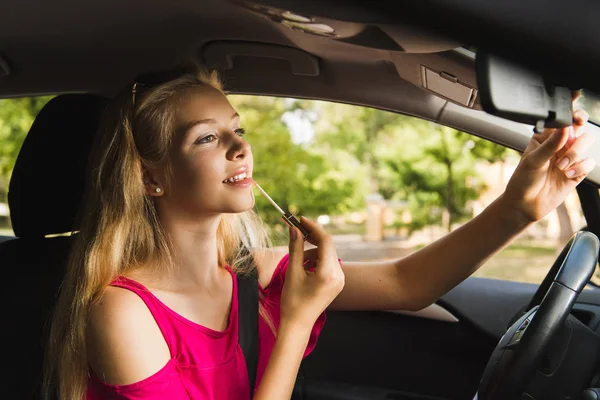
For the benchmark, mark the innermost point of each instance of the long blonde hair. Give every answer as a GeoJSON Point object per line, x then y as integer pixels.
{"type": "Point", "coordinates": [119, 229]}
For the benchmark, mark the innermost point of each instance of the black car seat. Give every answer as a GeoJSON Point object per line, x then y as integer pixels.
{"type": "Point", "coordinates": [45, 190]}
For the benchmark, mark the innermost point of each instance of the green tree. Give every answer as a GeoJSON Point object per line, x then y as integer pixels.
{"type": "Point", "coordinates": [357, 131]}
{"type": "Point", "coordinates": [440, 172]}
{"type": "Point", "coordinates": [16, 117]}
{"type": "Point", "coordinates": [298, 178]}
{"type": "Point", "coordinates": [431, 167]}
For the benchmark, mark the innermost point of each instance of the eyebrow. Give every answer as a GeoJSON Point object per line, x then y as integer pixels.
{"type": "Point", "coordinates": [193, 123]}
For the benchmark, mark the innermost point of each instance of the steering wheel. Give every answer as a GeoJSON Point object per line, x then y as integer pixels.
{"type": "Point", "coordinates": [544, 329]}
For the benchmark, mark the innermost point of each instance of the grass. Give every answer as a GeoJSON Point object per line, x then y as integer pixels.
{"type": "Point", "coordinates": [522, 261]}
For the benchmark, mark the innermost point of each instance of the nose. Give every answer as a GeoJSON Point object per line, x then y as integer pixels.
{"type": "Point", "coordinates": [238, 148]}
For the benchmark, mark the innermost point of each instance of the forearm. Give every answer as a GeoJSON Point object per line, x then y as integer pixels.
{"type": "Point", "coordinates": [437, 268]}
{"type": "Point", "coordinates": [281, 372]}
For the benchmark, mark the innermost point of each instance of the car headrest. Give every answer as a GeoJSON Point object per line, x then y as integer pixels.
{"type": "Point", "coordinates": [47, 182]}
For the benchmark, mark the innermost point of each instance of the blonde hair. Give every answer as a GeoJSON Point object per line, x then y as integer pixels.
{"type": "Point", "coordinates": [120, 229]}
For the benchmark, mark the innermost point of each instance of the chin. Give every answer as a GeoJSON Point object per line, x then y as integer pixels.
{"type": "Point", "coordinates": [240, 208]}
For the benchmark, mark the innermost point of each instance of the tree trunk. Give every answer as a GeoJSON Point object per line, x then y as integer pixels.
{"type": "Point", "coordinates": [370, 163]}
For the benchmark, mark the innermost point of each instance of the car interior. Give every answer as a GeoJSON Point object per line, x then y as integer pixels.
{"type": "Point", "coordinates": [416, 58]}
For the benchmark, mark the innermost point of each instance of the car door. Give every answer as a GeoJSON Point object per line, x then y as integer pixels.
{"type": "Point", "coordinates": [438, 353]}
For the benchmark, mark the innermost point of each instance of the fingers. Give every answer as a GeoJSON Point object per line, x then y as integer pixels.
{"type": "Point", "coordinates": [316, 231]}
{"type": "Point", "coordinates": [325, 250]}
{"type": "Point", "coordinates": [317, 234]}
{"type": "Point", "coordinates": [296, 250]}
{"type": "Point", "coordinates": [579, 170]}
{"type": "Point", "coordinates": [311, 259]}
{"type": "Point", "coordinates": [565, 159]}
{"type": "Point", "coordinates": [311, 254]}
{"type": "Point", "coordinates": [580, 117]}
{"type": "Point", "coordinates": [545, 134]}
{"type": "Point", "coordinates": [560, 140]}
{"type": "Point", "coordinates": [538, 157]}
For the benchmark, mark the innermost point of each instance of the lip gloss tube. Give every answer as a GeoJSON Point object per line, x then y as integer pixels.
{"type": "Point", "coordinates": [287, 217]}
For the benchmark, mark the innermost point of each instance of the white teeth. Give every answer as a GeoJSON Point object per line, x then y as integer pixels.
{"type": "Point", "coordinates": [236, 178]}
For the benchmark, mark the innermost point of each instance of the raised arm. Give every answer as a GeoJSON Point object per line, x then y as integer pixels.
{"type": "Point", "coordinates": [549, 170]}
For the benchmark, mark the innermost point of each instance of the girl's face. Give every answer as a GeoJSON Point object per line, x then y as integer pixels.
{"type": "Point", "coordinates": [211, 163]}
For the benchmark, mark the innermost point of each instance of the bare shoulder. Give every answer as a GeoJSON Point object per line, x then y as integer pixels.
{"type": "Point", "coordinates": [266, 261]}
{"type": "Point", "coordinates": [124, 343]}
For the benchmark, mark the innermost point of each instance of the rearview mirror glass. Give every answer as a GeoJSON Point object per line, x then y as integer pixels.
{"type": "Point", "coordinates": [511, 91]}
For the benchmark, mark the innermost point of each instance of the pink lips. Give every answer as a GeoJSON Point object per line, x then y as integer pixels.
{"type": "Point", "coordinates": [238, 171]}
{"type": "Point", "coordinates": [244, 183]}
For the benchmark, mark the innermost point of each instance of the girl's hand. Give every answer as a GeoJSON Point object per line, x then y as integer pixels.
{"type": "Point", "coordinates": [551, 167]}
{"type": "Point", "coordinates": [307, 293]}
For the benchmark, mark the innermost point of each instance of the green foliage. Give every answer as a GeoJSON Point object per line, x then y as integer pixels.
{"type": "Point", "coordinates": [356, 130]}
{"type": "Point", "coordinates": [425, 210]}
{"type": "Point", "coordinates": [305, 182]}
{"type": "Point", "coordinates": [16, 117]}
{"type": "Point", "coordinates": [430, 166]}
{"type": "Point", "coordinates": [439, 172]}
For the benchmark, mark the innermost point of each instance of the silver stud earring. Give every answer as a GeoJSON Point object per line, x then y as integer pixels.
{"type": "Point", "coordinates": [157, 190]}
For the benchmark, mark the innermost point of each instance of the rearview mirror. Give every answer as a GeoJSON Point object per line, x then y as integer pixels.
{"type": "Point", "coordinates": [511, 91]}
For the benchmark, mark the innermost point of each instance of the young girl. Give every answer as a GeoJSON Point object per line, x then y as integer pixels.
{"type": "Point", "coordinates": [148, 309]}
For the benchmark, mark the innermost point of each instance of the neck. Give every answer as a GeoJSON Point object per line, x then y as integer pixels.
{"type": "Point", "coordinates": [194, 243]}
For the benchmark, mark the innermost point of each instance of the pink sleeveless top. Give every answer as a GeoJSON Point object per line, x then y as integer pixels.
{"type": "Point", "coordinates": [205, 364]}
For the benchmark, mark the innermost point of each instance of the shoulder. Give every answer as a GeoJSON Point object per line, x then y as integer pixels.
{"type": "Point", "coordinates": [267, 261]}
{"type": "Point", "coordinates": [124, 343]}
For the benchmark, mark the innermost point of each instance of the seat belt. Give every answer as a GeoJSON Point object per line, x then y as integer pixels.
{"type": "Point", "coordinates": [248, 324]}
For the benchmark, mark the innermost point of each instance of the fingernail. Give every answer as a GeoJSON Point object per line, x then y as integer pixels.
{"type": "Point", "coordinates": [570, 173]}
{"type": "Point", "coordinates": [562, 164]}
{"type": "Point", "coordinates": [583, 116]}
{"type": "Point", "coordinates": [293, 233]}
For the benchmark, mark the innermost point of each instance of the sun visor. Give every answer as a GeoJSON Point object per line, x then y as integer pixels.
{"type": "Point", "coordinates": [449, 75]}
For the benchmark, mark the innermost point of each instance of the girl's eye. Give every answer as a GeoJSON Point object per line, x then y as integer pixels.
{"type": "Point", "coordinates": [212, 137]}
{"type": "Point", "coordinates": [240, 131]}
{"type": "Point", "coordinates": [206, 139]}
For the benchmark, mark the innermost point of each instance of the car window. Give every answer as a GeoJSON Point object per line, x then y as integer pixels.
{"type": "Point", "coordinates": [16, 117]}
{"type": "Point", "coordinates": [378, 181]}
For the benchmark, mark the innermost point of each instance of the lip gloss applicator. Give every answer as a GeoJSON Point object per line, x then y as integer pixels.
{"type": "Point", "coordinates": [287, 217]}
